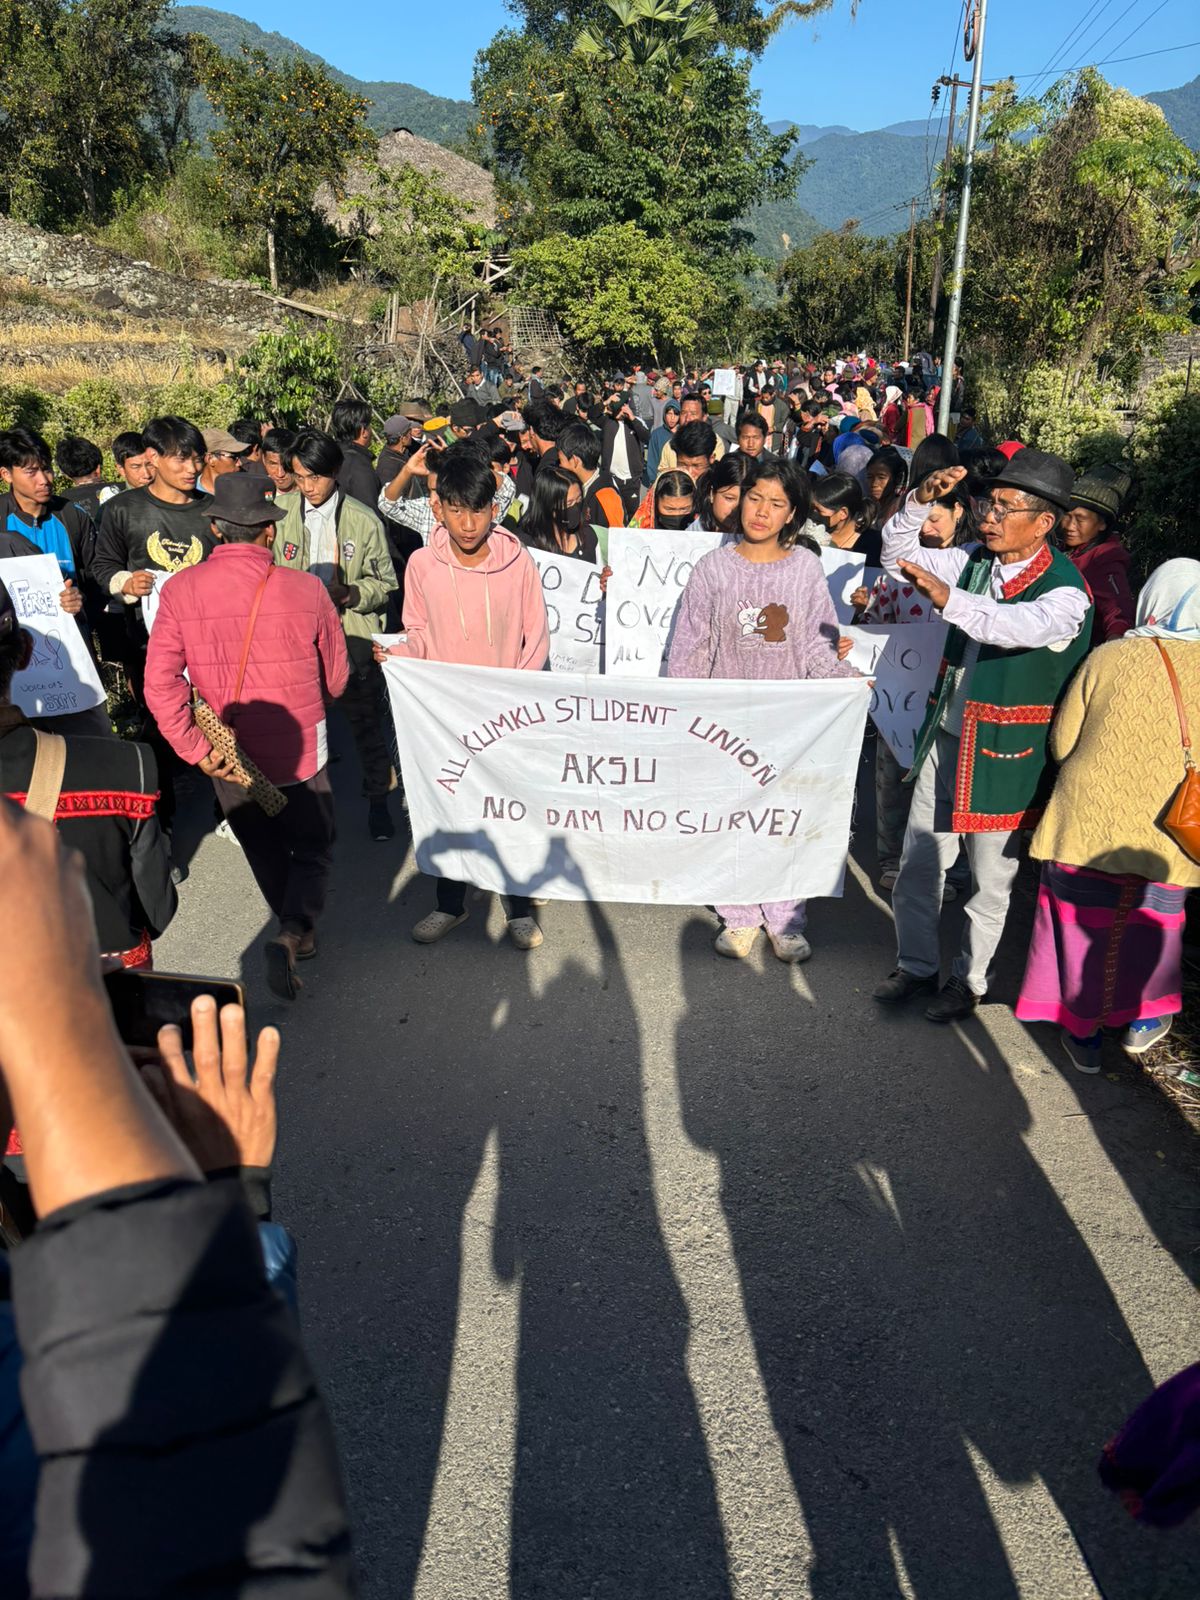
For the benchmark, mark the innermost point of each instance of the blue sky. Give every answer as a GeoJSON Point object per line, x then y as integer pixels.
{"type": "Point", "coordinates": [863, 72]}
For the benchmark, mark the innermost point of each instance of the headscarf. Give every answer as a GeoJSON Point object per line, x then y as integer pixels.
{"type": "Point", "coordinates": [892, 394]}
{"type": "Point", "coordinates": [1169, 604]}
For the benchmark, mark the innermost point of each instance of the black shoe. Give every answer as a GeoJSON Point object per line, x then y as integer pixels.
{"type": "Point", "coordinates": [901, 985]}
{"type": "Point", "coordinates": [178, 874]}
{"type": "Point", "coordinates": [955, 1002]}
{"type": "Point", "coordinates": [379, 821]}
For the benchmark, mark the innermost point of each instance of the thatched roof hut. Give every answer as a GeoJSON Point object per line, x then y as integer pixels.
{"type": "Point", "coordinates": [400, 148]}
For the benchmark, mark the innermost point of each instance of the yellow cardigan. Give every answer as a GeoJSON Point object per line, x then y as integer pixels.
{"type": "Point", "coordinates": [1117, 736]}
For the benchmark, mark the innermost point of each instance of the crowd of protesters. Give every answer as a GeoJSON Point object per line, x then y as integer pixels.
{"type": "Point", "coordinates": [298, 560]}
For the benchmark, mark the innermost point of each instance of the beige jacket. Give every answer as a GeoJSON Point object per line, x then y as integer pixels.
{"type": "Point", "coordinates": [1117, 737]}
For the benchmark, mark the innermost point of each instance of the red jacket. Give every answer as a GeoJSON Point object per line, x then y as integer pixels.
{"type": "Point", "coordinates": [1104, 567]}
{"type": "Point", "coordinates": [297, 659]}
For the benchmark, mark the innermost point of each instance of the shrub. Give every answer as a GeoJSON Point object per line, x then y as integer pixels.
{"type": "Point", "coordinates": [293, 377]}
{"type": "Point", "coordinates": [1164, 450]}
{"type": "Point", "coordinates": [23, 407]}
{"type": "Point", "coordinates": [95, 408]}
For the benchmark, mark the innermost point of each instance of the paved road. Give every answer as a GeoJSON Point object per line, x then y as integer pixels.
{"type": "Point", "coordinates": [632, 1274]}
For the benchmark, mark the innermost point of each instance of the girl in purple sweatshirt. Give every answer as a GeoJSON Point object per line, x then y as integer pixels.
{"type": "Point", "coordinates": [760, 608]}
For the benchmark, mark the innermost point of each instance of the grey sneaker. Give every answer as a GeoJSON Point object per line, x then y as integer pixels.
{"type": "Point", "coordinates": [1142, 1036]}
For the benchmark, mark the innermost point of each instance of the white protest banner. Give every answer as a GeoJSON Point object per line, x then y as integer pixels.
{"type": "Point", "coordinates": [571, 589]}
{"type": "Point", "coordinates": [904, 659]}
{"type": "Point", "coordinates": [61, 677]}
{"type": "Point", "coordinates": [650, 570]}
{"type": "Point", "coordinates": [150, 601]}
{"type": "Point", "coordinates": [724, 383]}
{"type": "Point", "coordinates": [845, 572]}
{"type": "Point", "coordinates": [679, 792]}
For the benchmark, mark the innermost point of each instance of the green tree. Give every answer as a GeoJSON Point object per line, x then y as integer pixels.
{"type": "Point", "coordinates": [292, 376]}
{"type": "Point", "coordinates": [413, 232]}
{"type": "Point", "coordinates": [841, 292]}
{"type": "Point", "coordinates": [92, 99]}
{"type": "Point", "coordinates": [286, 128]}
{"type": "Point", "coordinates": [652, 33]}
{"type": "Point", "coordinates": [1085, 227]}
{"type": "Point", "coordinates": [739, 24]}
{"type": "Point", "coordinates": [617, 291]}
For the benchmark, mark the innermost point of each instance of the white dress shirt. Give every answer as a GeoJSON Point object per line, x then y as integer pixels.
{"type": "Point", "coordinates": [1050, 622]}
{"type": "Point", "coordinates": [320, 523]}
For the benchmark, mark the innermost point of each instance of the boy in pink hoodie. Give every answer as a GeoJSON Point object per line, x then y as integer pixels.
{"type": "Point", "coordinates": [473, 596]}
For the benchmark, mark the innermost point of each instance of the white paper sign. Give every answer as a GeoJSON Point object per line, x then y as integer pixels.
{"type": "Point", "coordinates": [150, 601]}
{"type": "Point", "coordinates": [679, 792]}
{"type": "Point", "coordinates": [61, 677]}
{"type": "Point", "coordinates": [650, 570]}
{"type": "Point", "coordinates": [906, 660]}
{"type": "Point", "coordinates": [845, 572]}
{"type": "Point", "coordinates": [571, 588]}
{"type": "Point", "coordinates": [724, 383]}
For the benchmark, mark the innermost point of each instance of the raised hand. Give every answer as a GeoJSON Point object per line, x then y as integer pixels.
{"type": "Point", "coordinates": [939, 483]}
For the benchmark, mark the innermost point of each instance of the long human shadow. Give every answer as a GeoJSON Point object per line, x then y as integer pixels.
{"type": "Point", "coordinates": [432, 1051]}
{"type": "Point", "coordinates": [912, 1282]}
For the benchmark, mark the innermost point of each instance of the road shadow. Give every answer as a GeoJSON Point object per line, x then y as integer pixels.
{"type": "Point", "coordinates": [913, 1285]}
{"type": "Point", "coordinates": [442, 1053]}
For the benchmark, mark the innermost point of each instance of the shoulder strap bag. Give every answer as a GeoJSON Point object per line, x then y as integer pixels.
{"type": "Point", "coordinates": [220, 734]}
{"type": "Point", "coordinates": [46, 780]}
{"type": "Point", "coordinates": [1182, 820]}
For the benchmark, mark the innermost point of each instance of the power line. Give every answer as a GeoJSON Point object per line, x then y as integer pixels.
{"type": "Point", "coordinates": [1094, 47]}
{"type": "Point", "coordinates": [1138, 29]}
{"type": "Point", "coordinates": [1112, 61]}
{"type": "Point", "coordinates": [1088, 16]}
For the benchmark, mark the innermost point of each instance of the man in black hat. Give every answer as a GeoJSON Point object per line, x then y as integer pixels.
{"type": "Point", "coordinates": [1017, 610]}
{"type": "Point", "coordinates": [402, 434]}
{"type": "Point", "coordinates": [263, 645]}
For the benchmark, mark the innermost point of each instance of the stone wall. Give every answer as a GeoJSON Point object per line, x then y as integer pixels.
{"type": "Point", "coordinates": [1174, 358]}
{"type": "Point", "coordinates": [111, 282]}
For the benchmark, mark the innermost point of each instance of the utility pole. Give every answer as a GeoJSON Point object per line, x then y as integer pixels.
{"type": "Point", "coordinates": [964, 213]}
{"type": "Point", "coordinates": [912, 239]}
{"type": "Point", "coordinates": [936, 289]}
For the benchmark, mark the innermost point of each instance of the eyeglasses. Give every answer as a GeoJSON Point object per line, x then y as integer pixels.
{"type": "Point", "coordinates": [985, 508]}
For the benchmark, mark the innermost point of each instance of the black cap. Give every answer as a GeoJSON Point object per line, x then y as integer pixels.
{"type": "Point", "coordinates": [242, 498]}
{"type": "Point", "coordinates": [1038, 472]}
{"type": "Point", "coordinates": [8, 614]}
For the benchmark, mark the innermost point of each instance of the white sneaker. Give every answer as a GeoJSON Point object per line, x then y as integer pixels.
{"type": "Point", "coordinates": [736, 943]}
{"type": "Point", "coordinates": [436, 926]}
{"type": "Point", "coordinates": [224, 831]}
{"type": "Point", "coordinates": [790, 946]}
{"type": "Point", "coordinates": [525, 933]}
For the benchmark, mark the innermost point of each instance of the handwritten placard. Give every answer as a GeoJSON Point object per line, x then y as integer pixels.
{"type": "Point", "coordinates": [574, 611]}
{"type": "Point", "coordinates": [61, 677]}
{"type": "Point", "coordinates": [904, 659]}
{"type": "Point", "coordinates": [681, 791]}
{"type": "Point", "coordinates": [650, 570]}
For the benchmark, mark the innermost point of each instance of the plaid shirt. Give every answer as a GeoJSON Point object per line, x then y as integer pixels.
{"type": "Point", "coordinates": [418, 514]}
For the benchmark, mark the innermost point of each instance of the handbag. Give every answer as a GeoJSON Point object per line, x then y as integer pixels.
{"type": "Point", "coordinates": [221, 736]}
{"type": "Point", "coordinates": [1182, 820]}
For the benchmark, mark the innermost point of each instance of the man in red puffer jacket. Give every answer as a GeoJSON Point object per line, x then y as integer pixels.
{"type": "Point", "coordinates": [295, 661]}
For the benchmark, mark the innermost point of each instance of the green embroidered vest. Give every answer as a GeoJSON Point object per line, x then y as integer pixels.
{"type": "Point", "coordinates": [1011, 696]}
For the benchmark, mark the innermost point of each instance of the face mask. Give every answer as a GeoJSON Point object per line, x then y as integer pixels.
{"type": "Point", "coordinates": [572, 518]}
{"type": "Point", "coordinates": [674, 523]}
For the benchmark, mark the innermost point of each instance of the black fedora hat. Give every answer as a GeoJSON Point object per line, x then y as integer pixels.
{"type": "Point", "coordinates": [1038, 472]}
{"type": "Point", "coordinates": [240, 497]}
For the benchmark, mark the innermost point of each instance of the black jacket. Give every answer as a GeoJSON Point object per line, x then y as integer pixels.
{"type": "Point", "coordinates": [637, 436]}
{"type": "Point", "coordinates": [140, 533]}
{"type": "Point", "coordinates": [357, 475]}
{"type": "Point", "coordinates": [106, 812]}
{"type": "Point", "coordinates": [184, 1448]}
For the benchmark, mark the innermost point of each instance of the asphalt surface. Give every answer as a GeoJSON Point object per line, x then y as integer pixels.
{"type": "Point", "coordinates": [630, 1273]}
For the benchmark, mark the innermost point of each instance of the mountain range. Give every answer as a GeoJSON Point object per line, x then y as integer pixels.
{"type": "Point", "coordinates": [866, 176]}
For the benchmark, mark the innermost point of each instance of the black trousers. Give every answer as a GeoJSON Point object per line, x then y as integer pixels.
{"type": "Point", "coordinates": [290, 855]}
{"type": "Point", "coordinates": [452, 897]}
{"type": "Point", "coordinates": [365, 707]}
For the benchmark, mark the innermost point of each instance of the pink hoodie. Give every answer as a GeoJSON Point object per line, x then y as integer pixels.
{"type": "Point", "coordinates": [492, 615]}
